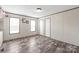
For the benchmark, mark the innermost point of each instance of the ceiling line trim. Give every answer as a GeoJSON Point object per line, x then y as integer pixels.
{"type": "Point", "coordinates": [19, 14]}
{"type": "Point", "coordinates": [60, 12]}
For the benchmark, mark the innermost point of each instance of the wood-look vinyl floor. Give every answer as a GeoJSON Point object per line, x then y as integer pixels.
{"type": "Point", "coordinates": [37, 44]}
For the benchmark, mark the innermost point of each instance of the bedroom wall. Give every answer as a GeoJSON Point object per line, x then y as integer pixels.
{"type": "Point", "coordinates": [24, 28]}
{"type": "Point", "coordinates": [1, 24]}
{"type": "Point", "coordinates": [65, 26]}
{"type": "Point", "coordinates": [71, 26]}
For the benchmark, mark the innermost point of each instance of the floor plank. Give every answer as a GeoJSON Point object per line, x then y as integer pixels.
{"type": "Point", "coordinates": [37, 44]}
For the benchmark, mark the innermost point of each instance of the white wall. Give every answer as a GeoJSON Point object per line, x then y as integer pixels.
{"type": "Point", "coordinates": [71, 26]}
{"type": "Point", "coordinates": [1, 24]}
{"type": "Point", "coordinates": [24, 28]}
{"type": "Point", "coordinates": [65, 26]}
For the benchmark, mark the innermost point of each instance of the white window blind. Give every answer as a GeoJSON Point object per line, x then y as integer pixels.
{"type": "Point", "coordinates": [32, 25]}
{"type": "Point", "coordinates": [14, 25]}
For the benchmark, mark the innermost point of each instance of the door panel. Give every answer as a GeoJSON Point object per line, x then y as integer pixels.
{"type": "Point", "coordinates": [57, 28]}
{"type": "Point", "coordinates": [47, 27]}
{"type": "Point", "coordinates": [41, 26]}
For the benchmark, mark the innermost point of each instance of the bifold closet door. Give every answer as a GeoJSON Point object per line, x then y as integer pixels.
{"type": "Point", "coordinates": [41, 22]}
{"type": "Point", "coordinates": [47, 27]}
{"type": "Point", "coordinates": [1, 38]}
{"type": "Point", "coordinates": [57, 28]}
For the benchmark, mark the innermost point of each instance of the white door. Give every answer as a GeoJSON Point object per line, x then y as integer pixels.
{"type": "Point", "coordinates": [1, 38]}
{"type": "Point", "coordinates": [57, 27]}
{"type": "Point", "coordinates": [42, 27]}
{"type": "Point", "coordinates": [47, 27]}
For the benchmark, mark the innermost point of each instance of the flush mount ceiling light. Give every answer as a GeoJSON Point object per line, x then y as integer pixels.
{"type": "Point", "coordinates": [38, 9]}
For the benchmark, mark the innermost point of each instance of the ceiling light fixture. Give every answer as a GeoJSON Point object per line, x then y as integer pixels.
{"type": "Point", "coordinates": [38, 9]}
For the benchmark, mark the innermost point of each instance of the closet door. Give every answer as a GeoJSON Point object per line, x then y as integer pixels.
{"type": "Point", "coordinates": [47, 26]}
{"type": "Point", "coordinates": [52, 26]}
{"type": "Point", "coordinates": [57, 28]}
{"type": "Point", "coordinates": [41, 21]}
{"type": "Point", "coordinates": [1, 38]}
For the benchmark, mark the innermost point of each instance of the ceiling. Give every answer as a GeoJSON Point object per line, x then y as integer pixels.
{"type": "Point", "coordinates": [30, 10]}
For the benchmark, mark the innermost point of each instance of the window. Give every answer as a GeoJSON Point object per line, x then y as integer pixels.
{"type": "Point", "coordinates": [32, 25]}
{"type": "Point", "coordinates": [14, 25]}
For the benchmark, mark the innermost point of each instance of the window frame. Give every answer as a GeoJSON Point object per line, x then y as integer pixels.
{"type": "Point", "coordinates": [19, 26]}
